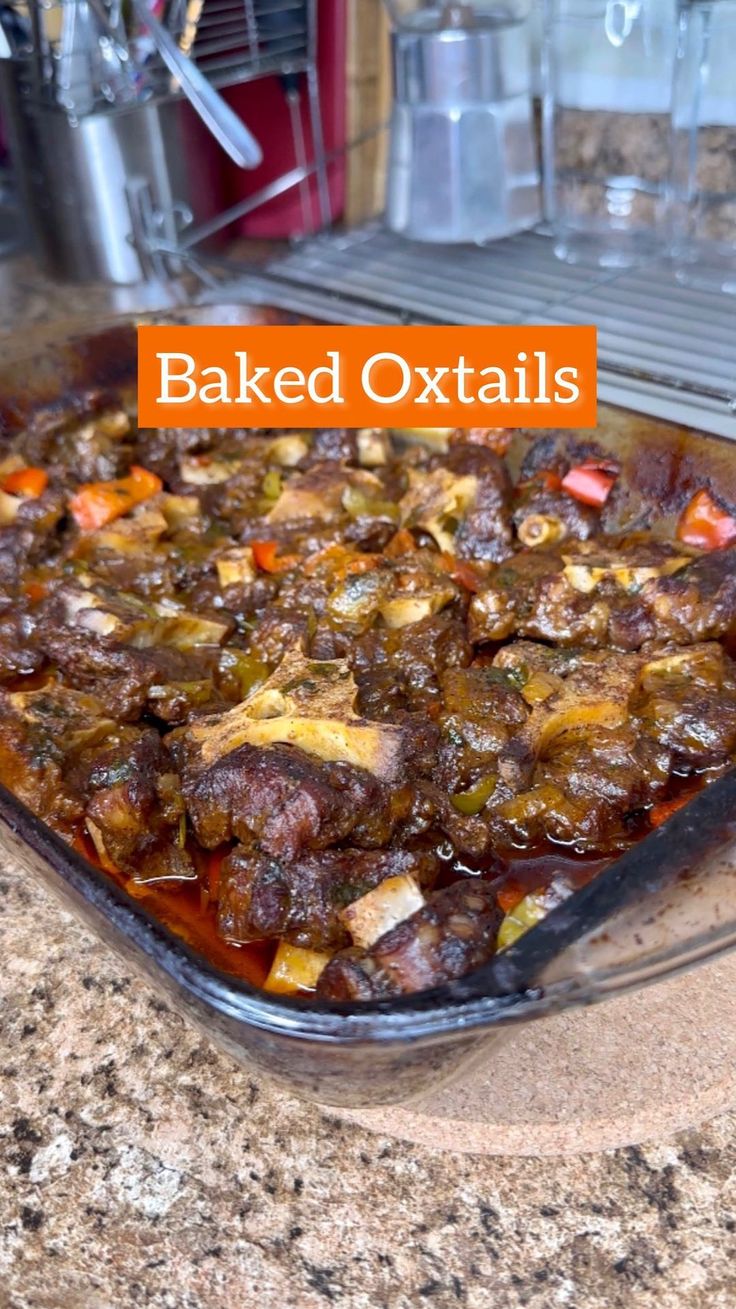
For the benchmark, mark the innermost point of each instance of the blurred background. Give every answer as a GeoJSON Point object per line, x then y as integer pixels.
{"type": "Point", "coordinates": [487, 161]}
{"type": "Point", "coordinates": [125, 121]}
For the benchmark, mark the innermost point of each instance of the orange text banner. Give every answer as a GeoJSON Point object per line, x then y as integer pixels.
{"type": "Point", "coordinates": [274, 376]}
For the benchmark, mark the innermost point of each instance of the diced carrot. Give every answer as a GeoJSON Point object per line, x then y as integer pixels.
{"type": "Point", "coordinates": [35, 591]}
{"type": "Point", "coordinates": [510, 895]}
{"type": "Point", "coordinates": [265, 557]}
{"type": "Point", "coordinates": [146, 482]}
{"type": "Point", "coordinates": [544, 478]}
{"type": "Point", "coordinates": [550, 481]}
{"type": "Point", "coordinates": [462, 572]}
{"type": "Point", "coordinates": [401, 543]}
{"type": "Point", "coordinates": [94, 506]}
{"type": "Point", "coordinates": [661, 812]}
{"type": "Point", "coordinates": [590, 482]}
{"type": "Point", "coordinates": [705, 524]}
{"type": "Point", "coordinates": [98, 503]}
{"type": "Point", "coordinates": [30, 482]}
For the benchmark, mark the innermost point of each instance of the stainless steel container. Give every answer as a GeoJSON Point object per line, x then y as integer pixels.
{"type": "Point", "coordinates": [463, 164]}
{"type": "Point", "coordinates": [94, 188]}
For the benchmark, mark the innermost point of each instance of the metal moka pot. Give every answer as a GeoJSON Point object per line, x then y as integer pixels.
{"type": "Point", "coordinates": [463, 161]}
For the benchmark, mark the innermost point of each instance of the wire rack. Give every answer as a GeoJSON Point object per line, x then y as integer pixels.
{"type": "Point", "coordinates": [241, 39]}
{"type": "Point", "coordinates": [663, 349]}
{"type": "Point", "coordinates": [82, 57]}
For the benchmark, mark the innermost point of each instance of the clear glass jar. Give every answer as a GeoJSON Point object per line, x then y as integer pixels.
{"type": "Point", "coordinates": [703, 210]}
{"type": "Point", "coordinates": [607, 85]}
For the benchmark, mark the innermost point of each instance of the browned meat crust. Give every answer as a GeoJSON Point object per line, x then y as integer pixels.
{"type": "Point", "coordinates": [133, 798]}
{"type": "Point", "coordinates": [19, 655]}
{"type": "Point", "coordinates": [288, 801]}
{"type": "Point", "coordinates": [620, 597]}
{"type": "Point", "coordinates": [162, 681]}
{"type": "Point", "coordinates": [452, 934]}
{"type": "Point", "coordinates": [485, 531]}
{"type": "Point", "coordinates": [308, 662]}
{"type": "Point", "coordinates": [481, 711]}
{"type": "Point", "coordinates": [401, 669]}
{"type": "Point", "coordinates": [301, 900]}
{"type": "Point", "coordinates": [605, 738]}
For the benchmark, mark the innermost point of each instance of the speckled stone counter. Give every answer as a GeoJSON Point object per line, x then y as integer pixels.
{"type": "Point", "coordinates": [140, 1167]}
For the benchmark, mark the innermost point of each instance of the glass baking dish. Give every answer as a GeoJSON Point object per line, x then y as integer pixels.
{"type": "Point", "coordinates": [381, 1052]}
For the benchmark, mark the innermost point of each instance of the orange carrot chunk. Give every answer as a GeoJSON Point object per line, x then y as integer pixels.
{"type": "Point", "coordinates": [30, 482]}
{"type": "Point", "coordinates": [705, 524]}
{"type": "Point", "coordinates": [462, 572]}
{"type": "Point", "coordinates": [264, 557]}
{"type": "Point", "coordinates": [98, 503]}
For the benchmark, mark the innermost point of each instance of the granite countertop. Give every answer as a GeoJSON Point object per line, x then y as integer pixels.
{"type": "Point", "coordinates": [141, 1167]}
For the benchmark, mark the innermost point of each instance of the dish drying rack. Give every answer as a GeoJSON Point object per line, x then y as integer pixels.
{"type": "Point", "coordinates": [663, 349]}
{"type": "Point", "coordinates": [230, 41]}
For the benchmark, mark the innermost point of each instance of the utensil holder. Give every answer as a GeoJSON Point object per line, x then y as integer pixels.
{"type": "Point", "coordinates": [96, 190]}
{"type": "Point", "coordinates": [112, 169]}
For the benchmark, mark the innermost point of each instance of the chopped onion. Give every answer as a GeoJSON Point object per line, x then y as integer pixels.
{"type": "Point", "coordinates": [402, 610]}
{"type": "Point", "coordinates": [384, 907]}
{"type": "Point", "coordinates": [200, 470]}
{"type": "Point", "coordinates": [99, 845]}
{"type": "Point", "coordinates": [9, 506]}
{"type": "Point", "coordinates": [179, 510]}
{"type": "Point", "coordinates": [295, 969]}
{"type": "Point", "coordinates": [236, 566]}
{"type": "Point", "coordinates": [373, 447]}
{"type": "Point", "coordinates": [288, 451]}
